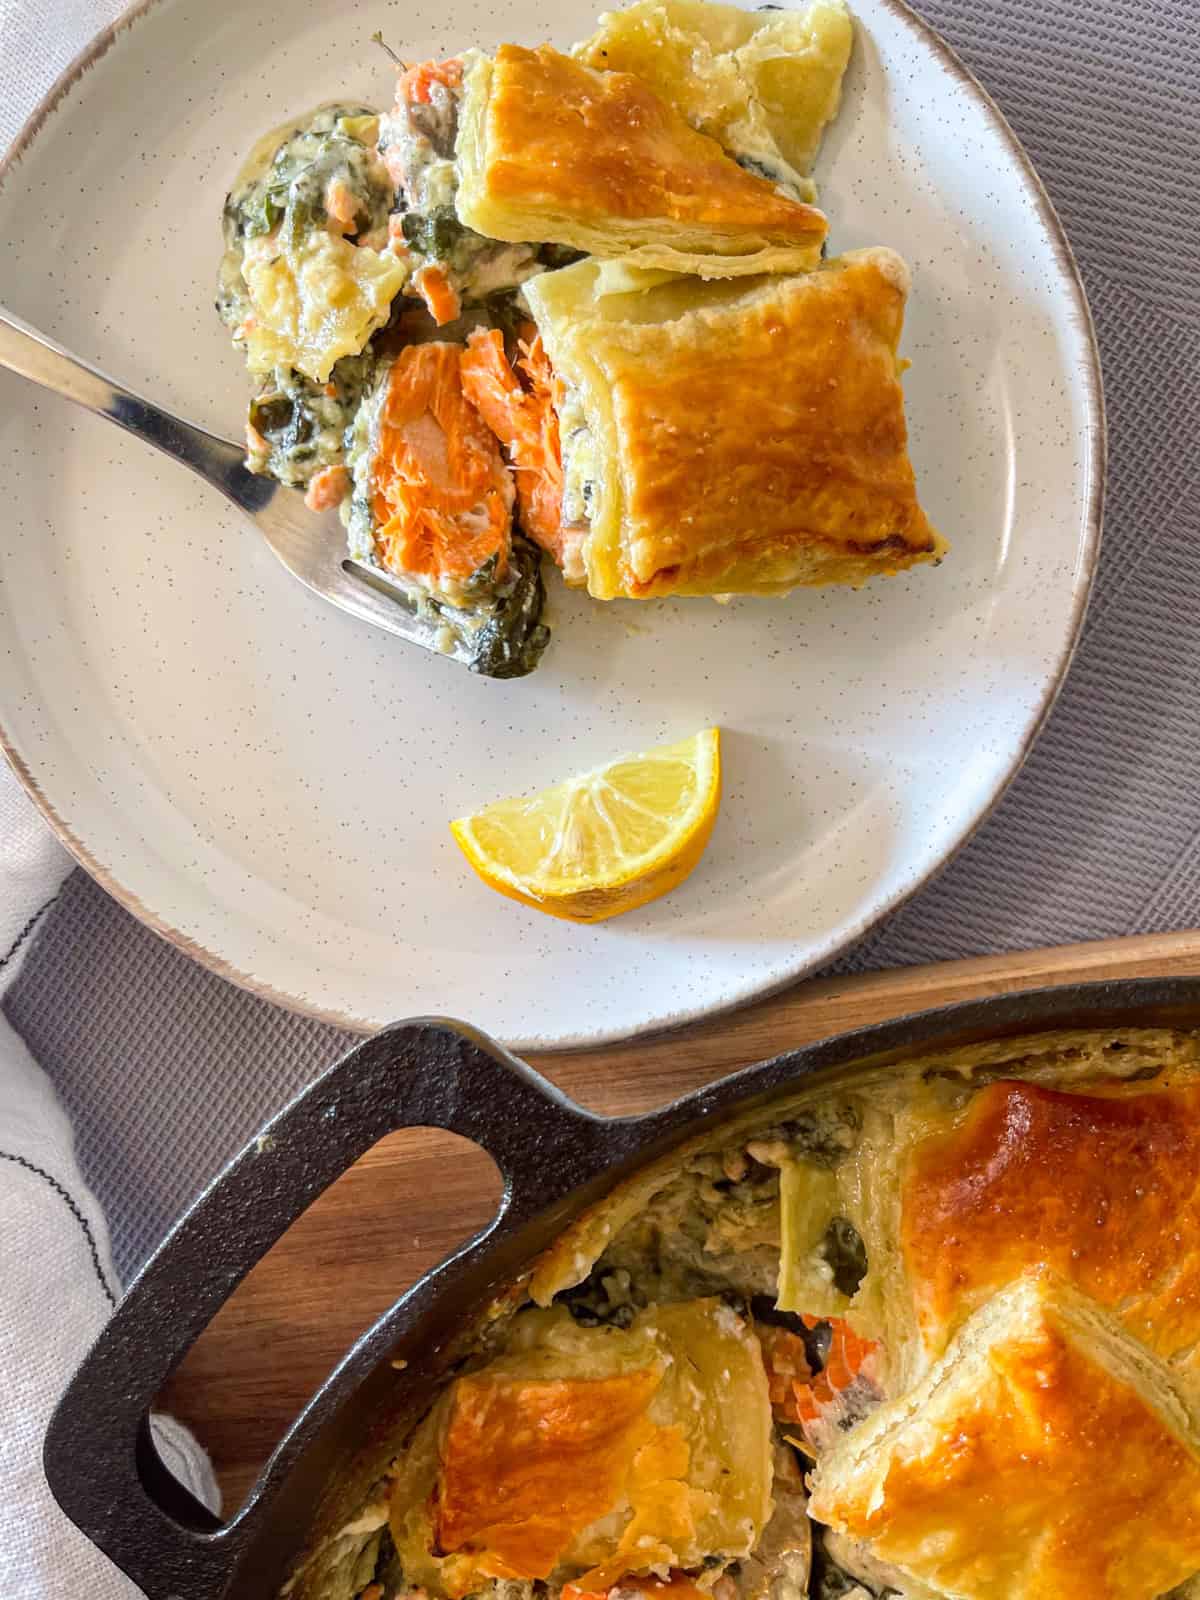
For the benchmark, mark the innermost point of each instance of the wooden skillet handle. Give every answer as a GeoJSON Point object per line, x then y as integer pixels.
{"type": "Point", "coordinates": [99, 1459]}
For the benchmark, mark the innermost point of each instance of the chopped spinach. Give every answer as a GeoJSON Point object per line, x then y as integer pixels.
{"type": "Point", "coordinates": [273, 414]}
{"type": "Point", "coordinates": [511, 641]}
{"type": "Point", "coordinates": [436, 235]}
{"type": "Point", "coordinates": [470, 258]}
{"type": "Point", "coordinates": [846, 1254]}
{"type": "Point", "coordinates": [252, 213]}
{"type": "Point", "coordinates": [483, 580]}
{"type": "Point", "coordinates": [756, 168]}
{"type": "Point", "coordinates": [303, 424]}
{"type": "Point", "coordinates": [291, 190]}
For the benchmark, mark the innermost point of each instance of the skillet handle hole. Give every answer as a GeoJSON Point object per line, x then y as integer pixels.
{"type": "Point", "coordinates": [414, 1197]}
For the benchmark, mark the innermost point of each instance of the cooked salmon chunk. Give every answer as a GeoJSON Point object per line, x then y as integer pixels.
{"type": "Point", "coordinates": [520, 407]}
{"type": "Point", "coordinates": [441, 495]}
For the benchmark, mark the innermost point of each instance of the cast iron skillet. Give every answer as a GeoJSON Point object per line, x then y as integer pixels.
{"type": "Point", "coordinates": [555, 1159]}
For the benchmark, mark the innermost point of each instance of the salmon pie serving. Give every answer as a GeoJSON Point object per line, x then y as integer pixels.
{"type": "Point", "coordinates": [530, 309]}
{"type": "Point", "coordinates": [932, 1334]}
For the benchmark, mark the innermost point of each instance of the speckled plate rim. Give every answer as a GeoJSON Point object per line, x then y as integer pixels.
{"type": "Point", "coordinates": [1088, 376]}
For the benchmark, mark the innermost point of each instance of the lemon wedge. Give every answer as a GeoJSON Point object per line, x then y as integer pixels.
{"type": "Point", "coordinates": [606, 841]}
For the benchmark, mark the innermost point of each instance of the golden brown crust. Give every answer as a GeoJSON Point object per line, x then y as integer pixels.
{"type": "Point", "coordinates": [564, 148]}
{"type": "Point", "coordinates": [944, 1119]}
{"type": "Point", "coordinates": [527, 1466]}
{"type": "Point", "coordinates": [765, 79]}
{"type": "Point", "coordinates": [590, 1453]}
{"type": "Point", "coordinates": [1039, 1467]}
{"type": "Point", "coordinates": [764, 445]}
{"type": "Point", "coordinates": [1104, 1189]}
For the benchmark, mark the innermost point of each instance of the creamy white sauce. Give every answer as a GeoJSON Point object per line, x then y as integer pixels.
{"type": "Point", "coordinates": [750, 141]}
{"type": "Point", "coordinates": [581, 467]}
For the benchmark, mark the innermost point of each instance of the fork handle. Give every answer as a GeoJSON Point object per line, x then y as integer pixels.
{"type": "Point", "coordinates": [32, 355]}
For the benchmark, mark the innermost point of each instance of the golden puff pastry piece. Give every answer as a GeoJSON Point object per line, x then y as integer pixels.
{"type": "Point", "coordinates": [735, 438]}
{"type": "Point", "coordinates": [764, 84]}
{"type": "Point", "coordinates": [590, 1453]}
{"type": "Point", "coordinates": [549, 149]}
{"type": "Point", "coordinates": [1098, 1184]}
{"type": "Point", "coordinates": [1047, 1455]}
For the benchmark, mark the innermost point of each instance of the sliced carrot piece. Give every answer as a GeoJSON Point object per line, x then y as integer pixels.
{"type": "Point", "coordinates": [524, 416]}
{"type": "Point", "coordinates": [327, 489]}
{"type": "Point", "coordinates": [340, 205]}
{"type": "Point", "coordinates": [440, 297]}
{"type": "Point", "coordinates": [786, 1361]}
{"type": "Point", "coordinates": [440, 492]}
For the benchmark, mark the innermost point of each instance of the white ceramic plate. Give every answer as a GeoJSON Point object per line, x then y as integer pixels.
{"type": "Point", "coordinates": [268, 782]}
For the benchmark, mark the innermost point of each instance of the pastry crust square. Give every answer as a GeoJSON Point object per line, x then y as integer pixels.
{"type": "Point", "coordinates": [549, 149]}
{"type": "Point", "coordinates": [590, 1453]}
{"type": "Point", "coordinates": [1101, 1187]}
{"type": "Point", "coordinates": [529, 1464]}
{"type": "Point", "coordinates": [1046, 1455]}
{"type": "Point", "coordinates": [749, 438]}
{"type": "Point", "coordinates": [763, 83]}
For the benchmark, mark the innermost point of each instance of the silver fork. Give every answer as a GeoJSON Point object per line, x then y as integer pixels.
{"type": "Point", "coordinates": [312, 546]}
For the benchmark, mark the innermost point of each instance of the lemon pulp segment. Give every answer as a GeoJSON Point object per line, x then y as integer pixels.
{"type": "Point", "coordinates": [606, 841]}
